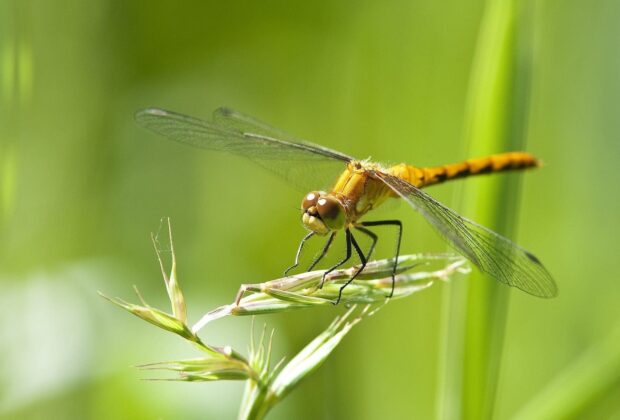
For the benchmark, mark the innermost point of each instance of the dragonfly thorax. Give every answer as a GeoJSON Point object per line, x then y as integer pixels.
{"type": "Point", "coordinates": [322, 212]}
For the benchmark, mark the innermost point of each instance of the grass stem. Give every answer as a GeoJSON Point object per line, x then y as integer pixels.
{"type": "Point", "coordinates": [496, 110]}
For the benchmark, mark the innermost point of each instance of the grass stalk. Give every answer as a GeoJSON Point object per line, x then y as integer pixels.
{"type": "Point", "coordinates": [8, 113]}
{"type": "Point", "coordinates": [495, 121]}
{"type": "Point", "coordinates": [267, 385]}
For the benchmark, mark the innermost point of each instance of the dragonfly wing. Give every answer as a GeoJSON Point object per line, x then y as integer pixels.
{"type": "Point", "coordinates": [237, 121]}
{"type": "Point", "coordinates": [243, 123]}
{"type": "Point", "coordinates": [491, 252]}
{"type": "Point", "coordinates": [305, 165]}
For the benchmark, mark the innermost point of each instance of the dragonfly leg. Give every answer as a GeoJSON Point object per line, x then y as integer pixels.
{"type": "Point", "coordinates": [399, 226]}
{"type": "Point", "coordinates": [301, 246]}
{"type": "Point", "coordinates": [348, 238]}
{"type": "Point", "coordinates": [362, 259]}
{"type": "Point", "coordinates": [373, 237]}
{"type": "Point", "coordinates": [323, 251]}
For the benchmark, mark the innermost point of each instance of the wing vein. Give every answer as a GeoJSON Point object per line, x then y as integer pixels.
{"type": "Point", "coordinates": [489, 251]}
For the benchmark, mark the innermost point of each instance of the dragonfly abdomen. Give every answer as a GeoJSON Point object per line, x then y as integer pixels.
{"type": "Point", "coordinates": [423, 177]}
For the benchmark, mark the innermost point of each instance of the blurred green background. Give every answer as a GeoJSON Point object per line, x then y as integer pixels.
{"type": "Point", "coordinates": [82, 187]}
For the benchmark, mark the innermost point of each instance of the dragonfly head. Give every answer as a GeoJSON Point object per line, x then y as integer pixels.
{"type": "Point", "coordinates": [322, 212]}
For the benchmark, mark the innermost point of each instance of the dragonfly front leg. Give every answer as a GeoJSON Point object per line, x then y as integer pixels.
{"type": "Point", "coordinates": [301, 246]}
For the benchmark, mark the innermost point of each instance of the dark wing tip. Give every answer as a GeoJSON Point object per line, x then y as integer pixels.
{"type": "Point", "coordinates": [532, 257]}
{"type": "Point", "coordinates": [548, 289]}
{"type": "Point", "coordinates": [224, 111]}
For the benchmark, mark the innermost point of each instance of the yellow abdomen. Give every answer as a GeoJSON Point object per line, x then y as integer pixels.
{"type": "Point", "coordinates": [423, 177]}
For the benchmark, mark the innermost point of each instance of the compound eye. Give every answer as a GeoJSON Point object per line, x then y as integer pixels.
{"type": "Point", "coordinates": [310, 200]}
{"type": "Point", "coordinates": [331, 212]}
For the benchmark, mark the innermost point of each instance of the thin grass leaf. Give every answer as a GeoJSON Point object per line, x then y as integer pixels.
{"type": "Point", "coordinates": [495, 121]}
{"type": "Point", "coordinates": [154, 316]}
{"type": "Point", "coordinates": [205, 369]}
{"type": "Point", "coordinates": [169, 323]}
{"type": "Point", "coordinates": [257, 401]}
{"type": "Point", "coordinates": [314, 354]}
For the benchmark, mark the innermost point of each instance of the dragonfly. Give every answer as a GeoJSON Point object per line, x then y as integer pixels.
{"type": "Point", "coordinates": [356, 188]}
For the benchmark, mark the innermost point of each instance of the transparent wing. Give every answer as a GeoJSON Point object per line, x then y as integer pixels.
{"type": "Point", "coordinates": [236, 121]}
{"type": "Point", "coordinates": [492, 253]}
{"type": "Point", "coordinates": [307, 166]}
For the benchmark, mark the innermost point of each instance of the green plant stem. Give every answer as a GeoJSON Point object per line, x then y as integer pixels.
{"type": "Point", "coordinates": [267, 386]}
{"type": "Point", "coordinates": [255, 404]}
{"type": "Point", "coordinates": [495, 121]}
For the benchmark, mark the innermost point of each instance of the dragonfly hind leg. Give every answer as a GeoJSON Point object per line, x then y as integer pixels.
{"type": "Point", "coordinates": [399, 226]}
{"type": "Point", "coordinates": [373, 237]}
{"type": "Point", "coordinates": [362, 258]}
{"type": "Point", "coordinates": [348, 239]}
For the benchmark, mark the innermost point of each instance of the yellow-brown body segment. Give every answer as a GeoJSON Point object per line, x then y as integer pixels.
{"type": "Point", "coordinates": [359, 192]}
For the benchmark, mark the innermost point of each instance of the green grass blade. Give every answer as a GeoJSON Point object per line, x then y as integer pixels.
{"type": "Point", "coordinates": [474, 320]}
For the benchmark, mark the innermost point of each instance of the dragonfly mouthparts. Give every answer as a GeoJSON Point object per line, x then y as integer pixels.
{"type": "Point", "coordinates": [314, 223]}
